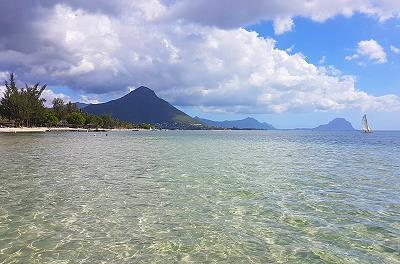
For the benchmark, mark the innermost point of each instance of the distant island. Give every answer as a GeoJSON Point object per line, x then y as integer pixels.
{"type": "Point", "coordinates": [247, 123]}
{"type": "Point", "coordinates": [337, 124]}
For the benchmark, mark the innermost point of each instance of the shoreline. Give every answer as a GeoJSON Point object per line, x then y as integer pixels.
{"type": "Point", "coordinates": [66, 129]}
{"type": "Point", "coordinates": [23, 129]}
{"type": "Point", "coordinates": [15, 130]}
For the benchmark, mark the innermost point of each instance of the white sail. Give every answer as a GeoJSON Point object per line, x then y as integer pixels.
{"type": "Point", "coordinates": [365, 126]}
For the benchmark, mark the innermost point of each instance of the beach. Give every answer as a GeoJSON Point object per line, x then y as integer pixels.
{"type": "Point", "coordinates": [23, 129]}
{"type": "Point", "coordinates": [61, 129]}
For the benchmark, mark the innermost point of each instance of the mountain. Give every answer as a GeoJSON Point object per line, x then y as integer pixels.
{"type": "Point", "coordinates": [337, 124]}
{"type": "Point", "coordinates": [142, 105]}
{"type": "Point", "coordinates": [247, 123]}
{"type": "Point", "coordinates": [81, 105]}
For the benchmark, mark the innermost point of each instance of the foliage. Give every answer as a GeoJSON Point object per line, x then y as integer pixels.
{"type": "Point", "coordinates": [70, 108]}
{"type": "Point", "coordinates": [94, 121]}
{"type": "Point", "coordinates": [146, 126]}
{"type": "Point", "coordinates": [50, 118]}
{"type": "Point", "coordinates": [9, 102]}
{"type": "Point", "coordinates": [24, 105]}
{"type": "Point", "coordinates": [76, 119]}
{"type": "Point", "coordinates": [108, 122]}
{"type": "Point", "coordinates": [59, 108]}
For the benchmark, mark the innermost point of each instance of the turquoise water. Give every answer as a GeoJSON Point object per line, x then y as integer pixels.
{"type": "Point", "coordinates": [196, 197]}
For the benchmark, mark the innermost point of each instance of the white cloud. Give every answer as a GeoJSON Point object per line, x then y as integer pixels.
{"type": "Point", "coordinates": [87, 100]}
{"type": "Point", "coordinates": [3, 76]}
{"type": "Point", "coordinates": [290, 49]}
{"type": "Point", "coordinates": [239, 13]}
{"type": "Point", "coordinates": [231, 70]}
{"type": "Point", "coordinates": [351, 57]}
{"type": "Point", "coordinates": [49, 96]}
{"type": "Point", "coordinates": [394, 49]}
{"type": "Point", "coordinates": [283, 24]}
{"type": "Point", "coordinates": [322, 60]}
{"type": "Point", "coordinates": [372, 50]}
{"type": "Point", "coordinates": [369, 49]}
{"type": "Point", "coordinates": [2, 90]}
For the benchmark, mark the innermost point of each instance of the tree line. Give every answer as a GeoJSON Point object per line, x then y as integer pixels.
{"type": "Point", "coordinates": [25, 107]}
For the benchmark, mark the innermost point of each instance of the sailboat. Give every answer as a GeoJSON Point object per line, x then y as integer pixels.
{"type": "Point", "coordinates": [365, 126]}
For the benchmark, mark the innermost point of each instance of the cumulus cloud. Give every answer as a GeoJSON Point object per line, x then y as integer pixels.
{"type": "Point", "coordinates": [87, 100]}
{"type": "Point", "coordinates": [290, 49]}
{"type": "Point", "coordinates": [283, 24]}
{"type": "Point", "coordinates": [371, 50]}
{"type": "Point", "coordinates": [108, 50]}
{"type": "Point", "coordinates": [394, 49]}
{"type": "Point", "coordinates": [2, 90]}
{"type": "Point", "coordinates": [237, 13]}
{"type": "Point", "coordinates": [3, 76]}
{"type": "Point", "coordinates": [49, 95]}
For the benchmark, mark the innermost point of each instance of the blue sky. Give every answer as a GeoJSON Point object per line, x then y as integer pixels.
{"type": "Point", "coordinates": [337, 38]}
{"type": "Point", "coordinates": [331, 41]}
{"type": "Point", "coordinates": [290, 63]}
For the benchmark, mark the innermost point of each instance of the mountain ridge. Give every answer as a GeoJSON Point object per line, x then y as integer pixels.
{"type": "Point", "coordinates": [142, 105]}
{"type": "Point", "coordinates": [81, 105]}
{"type": "Point", "coordinates": [246, 123]}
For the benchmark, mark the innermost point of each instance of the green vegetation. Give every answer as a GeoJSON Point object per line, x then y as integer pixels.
{"type": "Point", "coordinates": [76, 119]}
{"type": "Point", "coordinates": [59, 108]}
{"type": "Point", "coordinates": [183, 118]}
{"type": "Point", "coordinates": [25, 107]}
{"type": "Point", "coordinates": [50, 118]}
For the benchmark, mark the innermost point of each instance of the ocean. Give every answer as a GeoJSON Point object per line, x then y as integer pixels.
{"type": "Point", "coordinates": [200, 197]}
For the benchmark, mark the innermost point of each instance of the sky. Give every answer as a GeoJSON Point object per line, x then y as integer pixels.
{"type": "Point", "coordinates": [290, 63]}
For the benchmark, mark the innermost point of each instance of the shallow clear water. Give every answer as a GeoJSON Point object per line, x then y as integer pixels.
{"type": "Point", "coordinates": [185, 196]}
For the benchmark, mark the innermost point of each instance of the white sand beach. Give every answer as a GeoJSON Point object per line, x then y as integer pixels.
{"type": "Point", "coordinates": [40, 129]}
{"type": "Point", "coordinates": [58, 129]}
{"type": "Point", "coordinates": [128, 129]}
{"type": "Point", "coordinates": [66, 129]}
{"type": "Point", "coordinates": [23, 129]}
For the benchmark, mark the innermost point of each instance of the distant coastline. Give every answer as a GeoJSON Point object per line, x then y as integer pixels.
{"type": "Point", "coordinates": [63, 129]}
{"type": "Point", "coordinates": [23, 110]}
